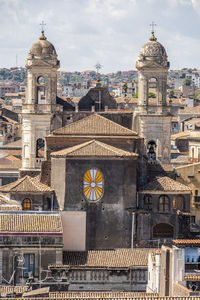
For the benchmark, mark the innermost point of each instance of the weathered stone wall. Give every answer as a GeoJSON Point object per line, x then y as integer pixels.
{"type": "Point", "coordinates": [109, 220]}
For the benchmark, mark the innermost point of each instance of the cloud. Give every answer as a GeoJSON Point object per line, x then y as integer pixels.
{"type": "Point", "coordinates": [109, 31]}
{"type": "Point", "coordinates": [196, 5]}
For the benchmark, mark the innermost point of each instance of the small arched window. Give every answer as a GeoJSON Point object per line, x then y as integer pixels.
{"type": "Point", "coordinates": [164, 203]}
{"type": "Point", "coordinates": [147, 202]}
{"type": "Point", "coordinates": [26, 204]}
{"type": "Point", "coordinates": [151, 147]}
{"type": "Point", "coordinates": [40, 148]}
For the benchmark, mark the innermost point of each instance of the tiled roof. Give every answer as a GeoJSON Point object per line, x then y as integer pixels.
{"type": "Point", "coordinates": [186, 242]}
{"type": "Point", "coordinates": [26, 184]}
{"type": "Point", "coordinates": [120, 100]}
{"type": "Point", "coordinates": [9, 161]}
{"type": "Point", "coordinates": [12, 152]}
{"type": "Point", "coordinates": [192, 277]}
{"type": "Point", "coordinates": [100, 295]}
{"type": "Point", "coordinates": [15, 144]}
{"type": "Point", "coordinates": [180, 159]}
{"type": "Point", "coordinates": [165, 184]}
{"type": "Point", "coordinates": [29, 222]}
{"type": "Point", "coordinates": [117, 258]}
{"type": "Point", "coordinates": [190, 110]}
{"type": "Point", "coordinates": [94, 125]}
{"type": "Point", "coordinates": [93, 148]}
{"type": "Point", "coordinates": [7, 204]}
{"type": "Point", "coordinates": [180, 135]}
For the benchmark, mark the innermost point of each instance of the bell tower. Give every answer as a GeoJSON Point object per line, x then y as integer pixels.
{"type": "Point", "coordinates": [40, 103]}
{"type": "Point", "coordinates": [151, 118]}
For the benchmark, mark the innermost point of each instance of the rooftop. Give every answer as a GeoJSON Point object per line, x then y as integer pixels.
{"type": "Point", "coordinates": [26, 184]}
{"type": "Point", "coordinates": [7, 204]}
{"type": "Point", "coordinates": [117, 258]}
{"type": "Point", "coordinates": [165, 184]}
{"type": "Point", "coordinates": [187, 242]}
{"type": "Point", "coordinates": [93, 148]}
{"type": "Point", "coordinates": [94, 125]}
{"type": "Point", "coordinates": [30, 222]}
{"type": "Point", "coordinates": [180, 135]}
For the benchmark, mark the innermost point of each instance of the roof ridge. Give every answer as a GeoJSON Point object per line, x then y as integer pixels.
{"type": "Point", "coordinates": [80, 146]}
{"type": "Point", "coordinates": [111, 148]}
{"type": "Point", "coordinates": [15, 183]}
{"type": "Point", "coordinates": [92, 116]}
{"type": "Point", "coordinates": [32, 180]}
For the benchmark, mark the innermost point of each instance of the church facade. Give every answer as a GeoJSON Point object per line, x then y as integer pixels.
{"type": "Point", "coordinates": [95, 165]}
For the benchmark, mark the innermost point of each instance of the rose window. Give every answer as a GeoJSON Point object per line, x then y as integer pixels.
{"type": "Point", "coordinates": [93, 184]}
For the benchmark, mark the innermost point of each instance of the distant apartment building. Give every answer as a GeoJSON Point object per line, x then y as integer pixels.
{"type": "Point", "coordinates": [73, 90]}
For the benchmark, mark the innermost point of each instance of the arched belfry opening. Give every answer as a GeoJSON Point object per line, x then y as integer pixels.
{"type": "Point", "coordinates": [151, 150]}
{"type": "Point", "coordinates": [41, 90]}
{"type": "Point", "coordinates": [152, 91]}
{"type": "Point", "coordinates": [40, 148]}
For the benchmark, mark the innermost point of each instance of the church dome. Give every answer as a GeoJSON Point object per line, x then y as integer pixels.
{"type": "Point", "coordinates": [42, 47]}
{"type": "Point", "coordinates": [153, 51]}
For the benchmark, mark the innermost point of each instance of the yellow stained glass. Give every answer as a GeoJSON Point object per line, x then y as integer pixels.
{"type": "Point", "coordinates": [93, 184]}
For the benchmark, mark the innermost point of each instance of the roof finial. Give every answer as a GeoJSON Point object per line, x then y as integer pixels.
{"type": "Point", "coordinates": [98, 66]}
{"type": "Point", "coordinates": [43, 37]}
{"type": "Point", "coordinates": [153, 38]}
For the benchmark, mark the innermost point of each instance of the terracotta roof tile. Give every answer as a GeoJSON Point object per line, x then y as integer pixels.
{"type": "Point", "coordinates": [26, 184]}
{"type": "Point", "coordinates": [7, 204]}
{"type": "Point", "coordinates": [101, 295]}
{"type": "Point", "coordinates": [180, 135]}
{"type": "Point", "coordinates": [192, 277]}
{"type": "Point", "coordinates": [28, 222]}
{"type": "Point", "coordinates": [190, 110]}
{"type": "Point", "coordinates": [188, 241]}
{"type": "Point", "coordinates": [13, 152]}
{"type": "Point", "coordinates": [94, 125]}
{"type": "Point", "coordinates": [15, 144]}
{"type": "Point", "coordinates": [165, 184]}
{"type": "Point", "coordinates": [117, 258]}
{"type": "Point", "coordinates": [11, 164]}
{"type": "Point", "coordinates": [93, 148]}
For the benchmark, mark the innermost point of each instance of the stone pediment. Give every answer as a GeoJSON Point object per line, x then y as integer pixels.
{"type": "Point", "coordinates": [93, 148]}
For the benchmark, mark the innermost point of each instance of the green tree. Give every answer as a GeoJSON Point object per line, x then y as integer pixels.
{"type": "Point", "coordinates": [135, 95]}
{"type": "Point", "coordinates": [152, 95]}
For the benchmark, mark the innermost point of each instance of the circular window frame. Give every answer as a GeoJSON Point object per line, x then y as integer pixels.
{"type": "Point", "coordinates": [102, 193]}
{"type": "Point", "coordinates": [38, 80]}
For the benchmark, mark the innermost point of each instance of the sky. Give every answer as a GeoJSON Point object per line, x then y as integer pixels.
{"type": "Point", "coordinates": [111, 32]}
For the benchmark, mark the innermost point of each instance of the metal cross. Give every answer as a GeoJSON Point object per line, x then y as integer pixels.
{"type": "Point", "coordinates": [98, 66]}
{"type": "Point", "coordinates": [43, 24]}
{"type": "Point", "coordinates": [153, 24]}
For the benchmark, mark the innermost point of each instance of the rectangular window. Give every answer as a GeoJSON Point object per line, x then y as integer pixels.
{"type": "Point", "coordinates": [29, 264]}
{"type": "Point", "coordinates": [41, 95]}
